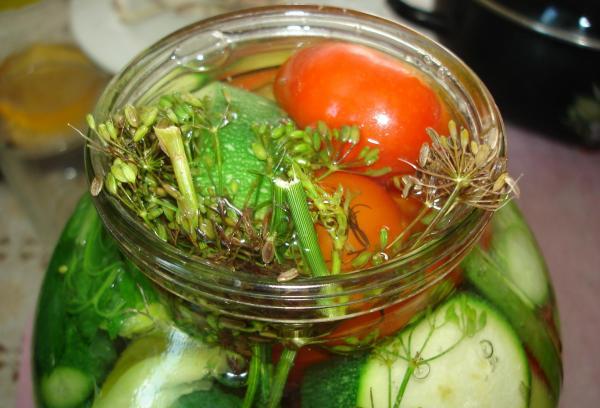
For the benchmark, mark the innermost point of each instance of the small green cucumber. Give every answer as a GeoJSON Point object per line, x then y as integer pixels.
{"type": "Point", "coordinates": [66, 387]}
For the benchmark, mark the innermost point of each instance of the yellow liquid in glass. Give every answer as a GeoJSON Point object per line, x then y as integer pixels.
{"type": "Point", "coordinates": [43, 89]}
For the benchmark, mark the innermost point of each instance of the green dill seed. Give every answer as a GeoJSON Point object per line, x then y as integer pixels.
{"type": "Point", "coordinates": [131, 116]}
{"type": "Point", "coordinates": [103, 132]}
{"type": "Point", "coordinates": [140, 133]}
{"type": "Point", "coordinates": [90, 121]}
{"type": "Point", "coordinates": [112, 131]}
{"type": "Point", "coordinates": [259, 151]}
{"type": "Point", "coordinates": [149, 116]}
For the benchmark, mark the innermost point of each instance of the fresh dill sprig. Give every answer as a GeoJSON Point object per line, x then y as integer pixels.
{"type": "Point", "coordinates": [310, 155]}
{"type": "Point", "coordinates": [455, 171]}
{"type": "Point", "coordinates": [458, 169]}
{"type": "Point", "coordinates": [154, 155]}
{"type": "Point", "coordinates": [315, 149]}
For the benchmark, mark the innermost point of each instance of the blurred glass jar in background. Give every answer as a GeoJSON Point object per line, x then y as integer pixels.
{"type": "Point", "coordinates": [47, 85]}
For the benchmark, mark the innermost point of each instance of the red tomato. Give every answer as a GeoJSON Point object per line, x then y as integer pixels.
{"type": "Point", "coordinates": [374, 208]}
{"type": "Point", "coordinates": [387, 321]}
{"type": "Point", "coordinates": [391, 319]}
{"type": "Point", "coordinates": [348, 84]}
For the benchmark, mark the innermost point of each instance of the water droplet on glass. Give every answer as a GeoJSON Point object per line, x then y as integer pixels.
{"type": "Point", "coordinates": [421, 371]}
{"type": "Point", "coordinates": [203, 52]}
{"type": "Point", "coordinates": [70, 173]}
{"type": "Point", "coordinates": [427, 59]}
{"type": "Point", "coordinates": [233, 379]}
{"type": "Point", "coordinates": [487, 348]}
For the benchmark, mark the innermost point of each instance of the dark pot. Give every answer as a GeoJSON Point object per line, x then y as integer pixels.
{"type": "Point", "coordinates": [540, 59]}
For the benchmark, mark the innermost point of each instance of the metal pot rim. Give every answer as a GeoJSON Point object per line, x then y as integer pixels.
{"type": "Point", "coordinates": [560, 33]}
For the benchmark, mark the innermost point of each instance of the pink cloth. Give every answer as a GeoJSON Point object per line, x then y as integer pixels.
{"type": "Point", "coordinates": [25, 386]}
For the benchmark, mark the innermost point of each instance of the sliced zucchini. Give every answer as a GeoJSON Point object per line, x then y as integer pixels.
{"type": "Point", "coordinates": [463, 354]}
{"type": "Point", "coordinates": [514, 248]}
{"type": "Point", "coordinates": [241, 172]}
{"type": "Point", "coordinates": [154, 371]}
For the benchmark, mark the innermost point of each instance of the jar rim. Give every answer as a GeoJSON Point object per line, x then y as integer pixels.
{"type": "Point", "coordinates": [191, 269]}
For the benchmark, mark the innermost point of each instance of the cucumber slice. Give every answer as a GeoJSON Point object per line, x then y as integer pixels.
{"type": "Point", "coordinates": [489, 279]}
{"type": "Point", "coordinates": [468, 355]}
{"type": "Point", "coordinates": [154, 371]}
{"type": "Point", "coordinates": [514, 248]}
{"type": "Point", "coordinates": [239, 165]}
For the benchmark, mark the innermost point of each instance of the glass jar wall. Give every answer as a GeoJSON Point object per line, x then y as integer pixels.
{"type": "Point", "coordinates": [126, 319]}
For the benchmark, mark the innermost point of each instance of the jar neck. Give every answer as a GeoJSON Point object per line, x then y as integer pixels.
{"type": "Point", "coordinates": [305, 300]}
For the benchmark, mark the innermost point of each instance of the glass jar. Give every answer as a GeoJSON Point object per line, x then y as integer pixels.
{"type": "Point", "coordinates": [127, 320]}
{"type": "Point", "coordinates": [47, 84]}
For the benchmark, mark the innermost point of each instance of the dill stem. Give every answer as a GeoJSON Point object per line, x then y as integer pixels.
{"type": "Point", "coordinates": [410, 226]}
{"type": "Point", "coordinates": [217, 146]}
{"type": "Point", "coordinates": [254, 375]}
{"type": "Point", "coordinates": [309, 242]}
{"type": "Point", "coordinates": [447, 205]}
{"type": "Point", "coordinates": [266, 372]}
{"type": "Point", "coordinates": [171, 143]}
{"type": "Point", "coordinates": [409, 371]}
{"type": "Point", "coordinates": [330, 170]}
{"type": "Point", "coordinates": [284, 365]}
{"type": "Point", "coordinates": [389, 385]}
{"type": "Point", "coordinates": [336, 262]}
{"type": "Point", "coordinates": [297, 201]}
{"type": "Point", "coordinates": [278, 217]}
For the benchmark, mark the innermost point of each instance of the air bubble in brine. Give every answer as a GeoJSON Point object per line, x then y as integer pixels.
{"type": "Point", "coordinates": [203, 52]}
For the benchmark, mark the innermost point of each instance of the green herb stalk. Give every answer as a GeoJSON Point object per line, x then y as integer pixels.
{"type": "Point", "coordinates": [172, 144]}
